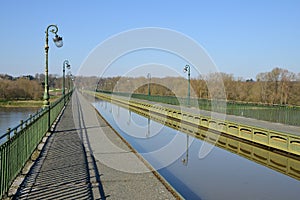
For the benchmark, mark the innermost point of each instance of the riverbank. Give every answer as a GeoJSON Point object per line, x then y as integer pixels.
{"type": "Point", "coordinates": [25, 103]}
{"type": "Point", "coordinates": [21, 103]}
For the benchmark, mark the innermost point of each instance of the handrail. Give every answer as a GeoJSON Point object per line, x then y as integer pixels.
{"type": "Point", "coordinates": [283, 162]}
{"type": "Point", "coordinates": [288, 143]}
{"type": "Point", "coordinates": [22, 140]}
{"type": "Point", "coordinates": [286, 114]}
{"type": "Point", "coordinates": [26, 122]}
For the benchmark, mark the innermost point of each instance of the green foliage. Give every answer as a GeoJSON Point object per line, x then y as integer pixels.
{"type": "Point", "coordinates": [26, 87]}
{"type": "Point", "coordinates": [20, 89]}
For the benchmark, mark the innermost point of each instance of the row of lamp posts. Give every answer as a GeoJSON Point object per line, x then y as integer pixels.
{"type": "Point", "coordinates": [59, 43]}
{"type": "Point", "coordinates": [187, 69]}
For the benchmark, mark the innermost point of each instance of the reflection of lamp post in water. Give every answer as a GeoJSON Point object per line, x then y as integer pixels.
{"type": "Point", "coordinates": [129, 118]}
{"type": "Point", "coordinates": [148, 126]}
{"type": "Point", "coordinates": [186, 159]}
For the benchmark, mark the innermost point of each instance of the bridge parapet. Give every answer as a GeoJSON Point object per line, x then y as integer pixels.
{"type": "Point", "coordinates": [283, 141]}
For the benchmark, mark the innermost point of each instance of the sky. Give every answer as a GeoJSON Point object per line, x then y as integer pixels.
{"type": "Point", "coordinates": [242, 37]}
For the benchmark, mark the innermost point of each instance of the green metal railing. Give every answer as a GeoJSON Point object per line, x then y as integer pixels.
{"type": "Point", "coordinates": [284, 114]}
{"type": "Point", "coordinates": [283, 141]}
{"type": "Point", "coordinates": [21, 141]}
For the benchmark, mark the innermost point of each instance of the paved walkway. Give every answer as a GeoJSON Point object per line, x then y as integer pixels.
{"type": "Point", "coordinates": [85, 159]}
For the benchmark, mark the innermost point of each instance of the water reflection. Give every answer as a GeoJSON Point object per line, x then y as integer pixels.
{"type": "Point", "coordinates": [233, 170]}
{"type": "Point", "coordinates": [185, 160]}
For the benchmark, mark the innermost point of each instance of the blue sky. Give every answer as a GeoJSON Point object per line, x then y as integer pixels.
{"type": "Point", "coordinates": [243, 37]}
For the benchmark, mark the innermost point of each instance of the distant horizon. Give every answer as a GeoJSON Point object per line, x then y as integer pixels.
{"type": "Point", "coordinates": [183, 76]}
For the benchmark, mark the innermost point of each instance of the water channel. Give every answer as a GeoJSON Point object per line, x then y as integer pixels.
{"type": "Point", "coordinates": [220, 174]}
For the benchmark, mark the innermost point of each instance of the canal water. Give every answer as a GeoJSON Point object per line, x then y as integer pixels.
{"type": "Point", "coordinates": [10, 117]}
{"type": "Point", "coordinates": [216, 174]}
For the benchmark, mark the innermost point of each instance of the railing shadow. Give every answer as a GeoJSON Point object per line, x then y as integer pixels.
{"type": "Point", "coordinates": [62, 170]}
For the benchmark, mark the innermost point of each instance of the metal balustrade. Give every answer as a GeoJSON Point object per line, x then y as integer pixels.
{"type": "Point", "coordinates": [21, 141]}
{"type": "Point", "coordinates": [278, 140]}
{"type": "Point", "coordinates": [284, 114]}
{"type": "Point", "coordinates": [284, 163]}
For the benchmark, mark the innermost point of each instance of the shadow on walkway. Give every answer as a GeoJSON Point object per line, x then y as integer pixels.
{"type": "Point", "coordinates": [64, 169]}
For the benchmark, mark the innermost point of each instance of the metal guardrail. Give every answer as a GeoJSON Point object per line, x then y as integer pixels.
{"type": "Point", "coordinates": [285, 114]}
{"type": "Point", "coordinates": [282, 141]}
{"type": "Point", "coordinates": [283, 163]}
{"type": "Point", "coordinates": [22, 140]}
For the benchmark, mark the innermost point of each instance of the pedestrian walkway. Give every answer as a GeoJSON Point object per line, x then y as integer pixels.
{"type": "Point", "coordinates": [76, 163]}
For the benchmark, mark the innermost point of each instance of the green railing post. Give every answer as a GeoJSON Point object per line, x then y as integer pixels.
{"type": "Point", "coordinates": [8, 134]}
{"type": "Point", "coordinates": [21, 124]}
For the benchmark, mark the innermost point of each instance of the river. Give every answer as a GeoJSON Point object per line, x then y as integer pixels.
{"type": "Point", "coordinates": [10, 117]}
{"type": "Point", "coordinates": [220, 174]}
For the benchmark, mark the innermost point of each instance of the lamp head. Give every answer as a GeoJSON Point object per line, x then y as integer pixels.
{"type": "Point", "coordinates": [186, 68]}
{"type": "Point", "coordinates": [58, 41]}
{"type": "Point", "coordinates": [68, 66]}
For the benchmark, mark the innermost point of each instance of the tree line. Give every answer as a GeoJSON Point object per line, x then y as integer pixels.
{"type": "Point", "coordinates": [278, 86]}
{"type": "Point", "coordinates": [26, 87]}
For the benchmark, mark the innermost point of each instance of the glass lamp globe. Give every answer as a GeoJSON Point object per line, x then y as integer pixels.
{"type": "Point", "coordinates": [58, 41]}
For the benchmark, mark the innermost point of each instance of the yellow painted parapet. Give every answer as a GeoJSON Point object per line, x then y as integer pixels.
{"type": "Point", "coordinates": [278, 140]}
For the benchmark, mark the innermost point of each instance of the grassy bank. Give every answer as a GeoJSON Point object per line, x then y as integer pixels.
{"type": "Point", "coordinates": [21, 103]}
{"type": "Point", "coordinates": [25, 103]}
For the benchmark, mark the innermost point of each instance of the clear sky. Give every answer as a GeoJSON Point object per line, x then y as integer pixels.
{"type": "Point", "coordinates": [243, 37]}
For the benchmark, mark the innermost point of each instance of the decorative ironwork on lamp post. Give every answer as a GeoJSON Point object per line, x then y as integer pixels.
{"type": "Point", "coordinates": [65, 64]}
{"type": "Point", "coordinates": [59, 43]}
{"type": "Point", "coordinates": [187, 69]}
{"type": "Point", "coordinates": [149, 80]}
{"type": "Point", "coordinates": [70, 77]}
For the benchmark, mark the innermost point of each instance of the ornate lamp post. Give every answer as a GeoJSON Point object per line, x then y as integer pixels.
{"type": "Point", "coordinates": [59, 43]}
{"type": "Point", "coordinates": [149, 80]}
{"type": "Point", "coordinates": [187, 69]}
{"type": "Point", "coordinates": [65, 64]}
{"type": "Point", "coordinates": [70, 77]}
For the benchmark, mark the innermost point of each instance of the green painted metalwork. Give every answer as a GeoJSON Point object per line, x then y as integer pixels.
{"type": "Point", "coordinates": [282, 162]}
{"type": "Point", "coordinates": [278, 140]}
{"type": "Point", "coordinates": [22, 140]}
{"type": "Point", "coordinates": [284, 114]}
